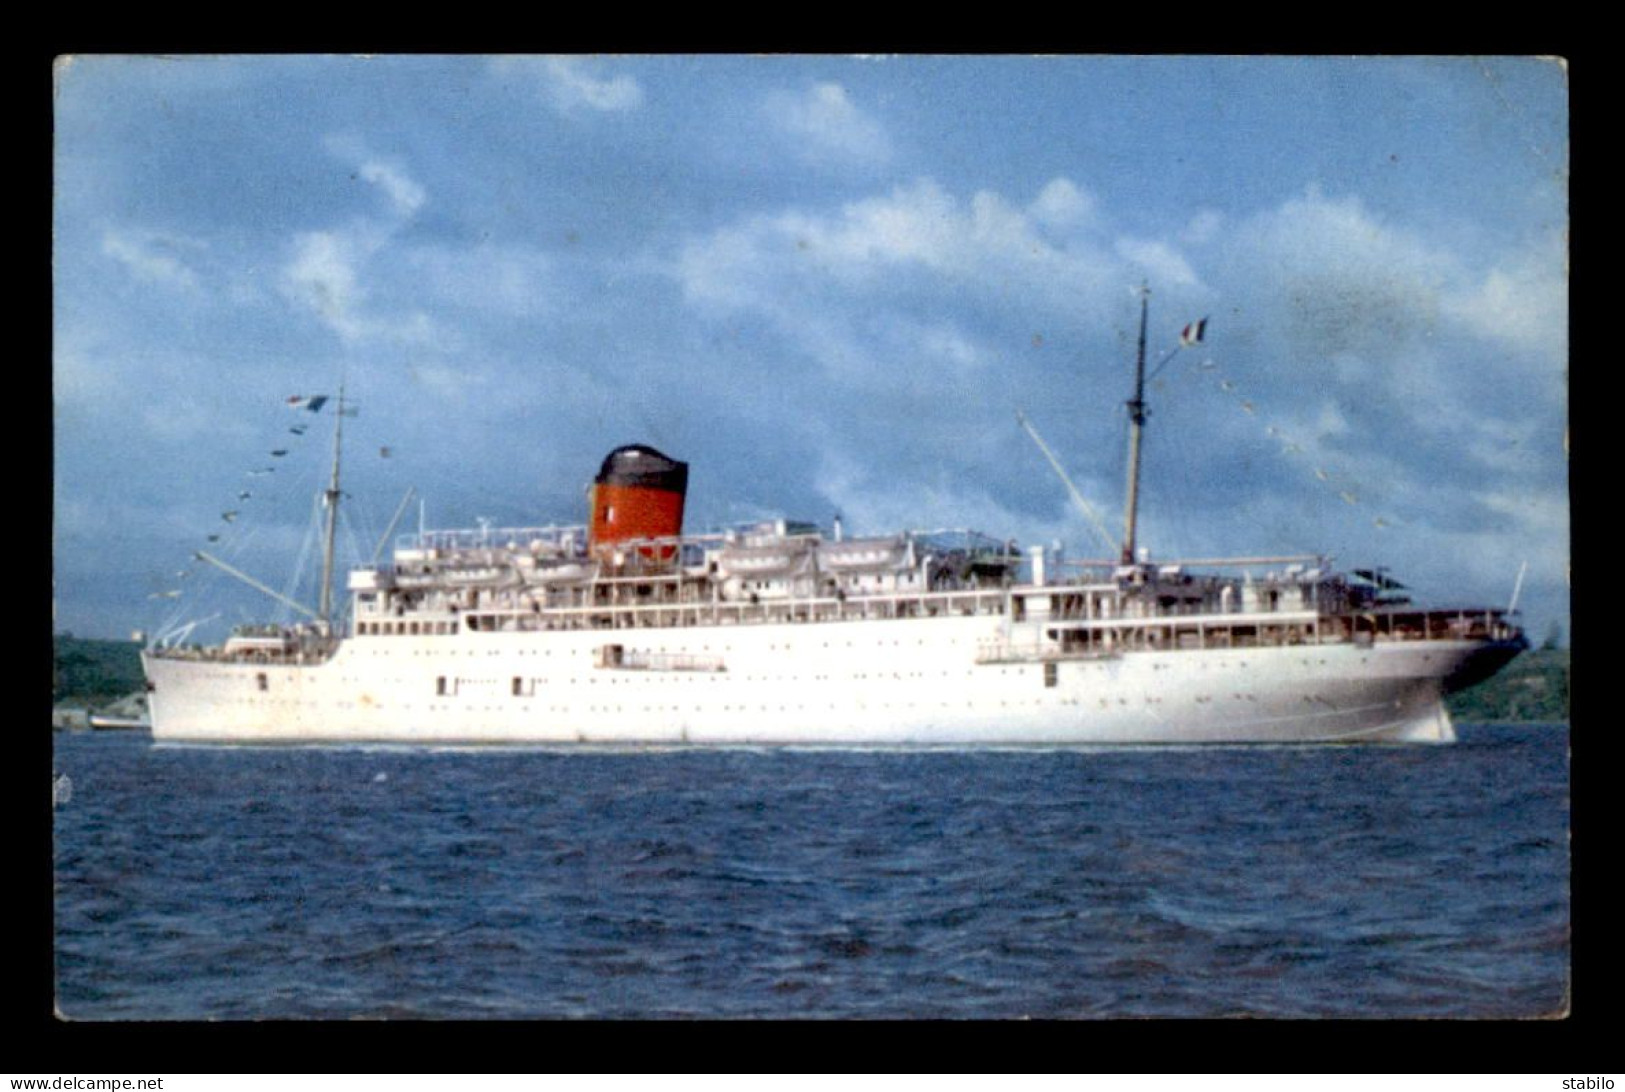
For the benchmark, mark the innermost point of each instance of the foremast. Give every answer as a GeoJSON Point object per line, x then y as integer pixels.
{"type": "Point", "coordinates": [322, 616]}
{"type": "Point", "coordinates": [330, 499]}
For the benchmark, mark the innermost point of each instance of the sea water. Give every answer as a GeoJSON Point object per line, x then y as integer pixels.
{"type": "Point", "coordinates": [314, 883]}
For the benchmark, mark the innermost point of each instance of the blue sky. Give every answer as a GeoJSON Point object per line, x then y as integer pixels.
{"type": "Point", "coordinates": [828, 284]}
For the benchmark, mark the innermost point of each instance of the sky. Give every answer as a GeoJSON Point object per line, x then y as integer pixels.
{"type": "Point", "coordinates": [828, 284]}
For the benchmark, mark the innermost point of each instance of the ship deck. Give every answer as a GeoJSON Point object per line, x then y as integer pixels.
{"type": "Point", "coordinates": [1031, 632]}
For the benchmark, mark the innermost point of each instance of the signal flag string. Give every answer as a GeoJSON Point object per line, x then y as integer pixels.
{"type": "Point", "coordinates": [229, 516]}
{"type": "Point", "coordinates": [1346, 489]}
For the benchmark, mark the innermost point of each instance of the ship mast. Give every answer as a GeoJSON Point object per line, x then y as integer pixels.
{"type": "Point", "coordinates": [1136, 414]}
{"type": "Point", "coordinates": [331, 498]}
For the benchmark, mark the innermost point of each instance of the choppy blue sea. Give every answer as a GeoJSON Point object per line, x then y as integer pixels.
{"type": "Point", "coordinates": [240, 883]}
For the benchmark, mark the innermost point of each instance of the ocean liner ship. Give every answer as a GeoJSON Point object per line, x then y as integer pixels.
{"type": "Point", "coordinates": [625, 630]}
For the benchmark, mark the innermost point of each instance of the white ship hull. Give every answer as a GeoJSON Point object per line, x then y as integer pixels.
{"type": "Point", "coordinates": [904, 682]}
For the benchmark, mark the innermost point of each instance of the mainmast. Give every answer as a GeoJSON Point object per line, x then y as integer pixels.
{"type": "Point", "coordinates": [331, 498]}
{"type": "Point", "coordinates": [1136, 415]}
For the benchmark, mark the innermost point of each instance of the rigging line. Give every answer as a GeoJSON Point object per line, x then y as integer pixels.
{"type": "Point", "coordinates": [383, 540]}
{"type": "Point", "coordinates": [1163, 363]}
{"type": "Point", "coordinates": [235, 547]}
{"type": "Point", "coordinates": [306, 543]}
{"type": "Point", "coordinates": [172, 620]}
{"type": "Point", "coordinates": [352, 544]}
{"type": "Point", "coordinates": [1095, 521]}
{"type": "Point", "coordinates": [251, 582]}
{"type": "Point", "coordinates": [254, 506]}
{"type": "Point", "coordinates": [341, 609]}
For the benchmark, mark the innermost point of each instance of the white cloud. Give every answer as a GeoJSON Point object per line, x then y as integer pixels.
{"type": "Point", "coordinates": [1063, 205]}
{"type": "Point", "coordinates": [1202, 227]}
{"type": "Point", "coordinates": [1345, 330]}
{"type": "Point", "coordinates": [78, 378]}
{"type": "Point", "coordinates": [1331, 421]}
{"type": "Point", "coordinates": [919, 224]}
{"type": "Point", "coordinates": [984, 245]}
{"type": "Point", "coordinates": [443, 382]}
{"type": "Point", "coordinates": [322, 277]}
{"type": "Point", "coordinates": [873, 501]}
{"type": "Point", "coordinates": [406, 195]}
{"type": "Point", "coordinates": [1509, 446]}
{"type": "Point", "coordinates": [180, 420]}
{"type": "Point", "coordinates": [571, 84]}
{"type": "Point", "coordinates": [1338, 244]}
{"type": "Point", "coordinates": [1358, 278]}
{"type": "Point", "coordinates": [823, 121]}
{"type": "Point", "coordinates": [1162, 264]}
{"type": "Point", "coordinates": [333, 272]}
{"type": "Point", "coordinates": [1533, 528]}
{"type": "Point", "coordinates": [151, 257]}
{"type": "Point", "coordinates": [510, 280]}
{"type": "Point", "coordinates": [948, 348]}
{"type": "Point", "coordinates": [1523, 304]}
{"type": "Point", "coordinates": [93, 373]}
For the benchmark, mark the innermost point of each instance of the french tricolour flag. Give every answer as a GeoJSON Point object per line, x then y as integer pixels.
{"type": "Point", "coordinates": [1192, 334]}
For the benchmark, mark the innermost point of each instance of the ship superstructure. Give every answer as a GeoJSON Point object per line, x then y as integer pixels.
{"type": "Point", "coordinates": [626, 630]}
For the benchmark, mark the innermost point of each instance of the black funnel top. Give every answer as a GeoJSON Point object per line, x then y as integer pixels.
{"type": "Point", "coordinates": [641, 465]}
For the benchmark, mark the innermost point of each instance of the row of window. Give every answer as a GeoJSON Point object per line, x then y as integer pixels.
{"type": "Point", "coordinates": [403, 629]}
{"type": "Point", "coordinates": [417, 629]}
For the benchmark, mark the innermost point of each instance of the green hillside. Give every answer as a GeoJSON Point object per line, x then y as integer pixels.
{"type": "Point", "coordinates": [1535, 686]}
{"type": "Point", "coordinates": [91, 673]}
